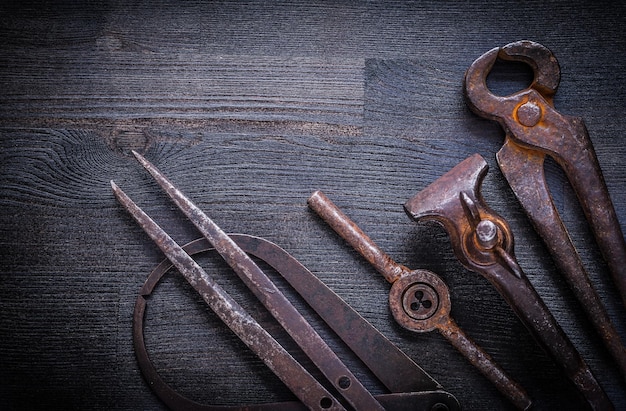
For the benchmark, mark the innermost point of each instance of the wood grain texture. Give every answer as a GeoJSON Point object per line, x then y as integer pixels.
{"type": "Point", "coordinates": [249, 107]}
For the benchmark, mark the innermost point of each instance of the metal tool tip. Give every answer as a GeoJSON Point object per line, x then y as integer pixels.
{"type": "Point", "coordinates": [139, 157]}
{"type": "Point", "coordinates": [316, 195]}
{"type": "Point", "coordinates": [119, 193]}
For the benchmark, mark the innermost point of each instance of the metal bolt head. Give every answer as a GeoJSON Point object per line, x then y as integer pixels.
{"type": "Point", "coordinates": [487, 234]}
{"type": "Point", "coordinates": [529, 114]}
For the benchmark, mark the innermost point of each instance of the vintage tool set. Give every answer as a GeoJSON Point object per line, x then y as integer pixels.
{"type": "Point", "coordinates": [419, 299]}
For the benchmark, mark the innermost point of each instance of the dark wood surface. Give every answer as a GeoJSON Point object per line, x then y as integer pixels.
{"type": "Point", "coordinates": [249, 107]}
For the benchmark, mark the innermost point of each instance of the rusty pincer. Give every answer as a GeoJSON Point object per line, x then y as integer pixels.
{"type": "Point", "coordinates": [534, 130]}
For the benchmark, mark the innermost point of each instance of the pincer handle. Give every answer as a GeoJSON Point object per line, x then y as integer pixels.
{"type": "Point", "coordinates": [537, 318]}
{"type": "Point", "coordinates": [583, 171]}
{"type": "Point", "coordinates": [566, 140]}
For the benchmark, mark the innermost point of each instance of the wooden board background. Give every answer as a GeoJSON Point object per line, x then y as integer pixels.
{"type": "Point", "coordinates": [248, 107]}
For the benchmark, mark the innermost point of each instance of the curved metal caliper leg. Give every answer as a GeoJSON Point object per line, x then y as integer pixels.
{"type": "Point", "coordinates": [483, 243]}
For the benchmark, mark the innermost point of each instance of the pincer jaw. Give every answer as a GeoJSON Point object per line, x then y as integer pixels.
{"type": "Point", "coordinates": [545, 66]}
{"type": "Point", "coordinates": [546, 79]}
{"type": "Point", "coordinates": [479, 98]}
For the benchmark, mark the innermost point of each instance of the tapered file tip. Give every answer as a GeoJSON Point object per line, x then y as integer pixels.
{"type": "Point", "coordinates": [140, 158]}
{"type": "Point", "coordinates": [135, 153]}
{"type": "Point", "coordinates": [119, 194]}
